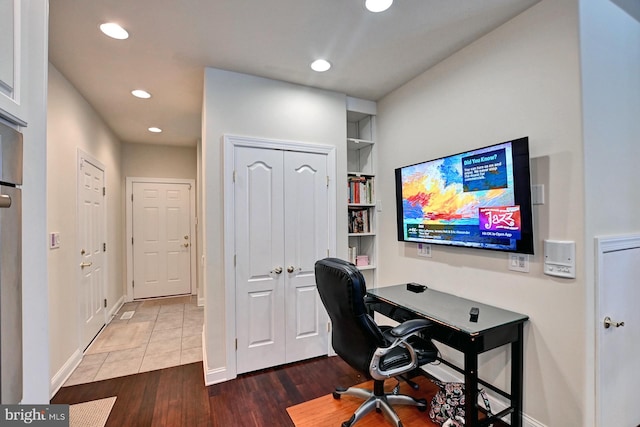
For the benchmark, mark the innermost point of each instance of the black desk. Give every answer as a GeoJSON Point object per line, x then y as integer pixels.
{"type": "Point", "coordinates": [495, 327]}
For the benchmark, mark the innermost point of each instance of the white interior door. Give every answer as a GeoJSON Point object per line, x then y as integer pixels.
{"type": "Point", "coordinates": [618, 346]}
{"type": "Point", "coordinates": [306, 241]}
{"type": "Point", "coordinates": [161, 239]}
{"type": "Point", "coordinates": [259, 235]}
{"type": "Point", "coordinates": [92, 241]}
{"type": "Point", "coordinates": [281, 229]}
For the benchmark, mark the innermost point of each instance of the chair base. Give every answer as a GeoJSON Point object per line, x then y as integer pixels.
{"type": "Point", "coordinates": [380, 401]}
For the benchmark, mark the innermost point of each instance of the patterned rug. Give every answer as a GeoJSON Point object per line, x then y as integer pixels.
{"type": "Point", "coordinates": [91, 414]}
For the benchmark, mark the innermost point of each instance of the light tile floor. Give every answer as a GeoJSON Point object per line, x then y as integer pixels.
{"type": "Point", "coordinates": [162, 333]}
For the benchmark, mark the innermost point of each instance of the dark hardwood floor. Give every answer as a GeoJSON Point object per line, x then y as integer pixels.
{"type": "Point", "coordinates": [178, 397]}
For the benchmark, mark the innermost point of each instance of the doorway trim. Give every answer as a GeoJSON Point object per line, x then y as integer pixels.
{"type": "Point", "coordinates": [83, 156]}
{"type": "Point", "coordinates": [230, 143]}
{"type": "Point", "coordinates": [193, 219]}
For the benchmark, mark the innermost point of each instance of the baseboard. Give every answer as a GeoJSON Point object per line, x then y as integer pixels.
{"type": "Point", "coordinates": [64, 373]}
{"type": "Point", "coordinates": [498, 403]}
{"type": "Point", "coordinates": [72, 363]}
{"type": "Point", "coordinates": [215, 375]}
{"type": "Point", "coordinates": [114, 310]}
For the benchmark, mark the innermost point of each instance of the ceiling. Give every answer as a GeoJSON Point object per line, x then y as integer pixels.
{"type": "Point", "coordinates": [171, 42]}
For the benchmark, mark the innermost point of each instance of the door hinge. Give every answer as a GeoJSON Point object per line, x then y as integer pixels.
{"type": "Point", "coordinates": [328, 253]}
{"type": "Point", "coordinates": [104, 191]}
{"type": "Point", "coordinates": [105, 303]}
{"type": "Point", "coordinates": [234, 176]}
{"type": "Point", "coordinates": [234, 260]}
{"type": "Point", "coordinates": [327, 181]}
{"type": "Point", "coordinates": [132, 240]}
{"type": "Point", "coordinates": [328, 326]}
{"type": "Point", "coordinates": [133, 283]}
{"type": "Point", "coordinates": [104, 247]}
{"type": "Point", "coordinates": [236, 344]}
{"type": "Point", "coordinates": [132, 197]}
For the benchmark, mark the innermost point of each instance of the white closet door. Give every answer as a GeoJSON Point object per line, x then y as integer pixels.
{"type": "Point", "coordinates": [259, 237]}
{"type": "Point", "coordinates": [617, 347]}
{"type": "Point", "coordinates": [306, 241]}
{"type": "Point", "coordinates": [281, 230]}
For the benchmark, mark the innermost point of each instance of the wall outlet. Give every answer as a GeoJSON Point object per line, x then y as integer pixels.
{"type": "Point", "coordinates": [424, 250]}
{"type": "Point", "coordinates": [519, 262]}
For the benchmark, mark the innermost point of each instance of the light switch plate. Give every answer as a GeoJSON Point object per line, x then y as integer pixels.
{"type": "Point", "coordinates": [54, 240]}
{"type": "Point", "coordinates": [424, 250]}
{"type": "Point", "coordinates": [519, 262]}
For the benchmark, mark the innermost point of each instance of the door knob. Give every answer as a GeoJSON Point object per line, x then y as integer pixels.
{"type": "Point", "coordinates": [86, 264]}
{"type": "Point", "coordinates": [291, 269]}
{"type": "Point", "coordinates": [609, 323]}
{"type": "Point", "coordinates": [186, 245]}
{"type": "Point", "coordinates": [277, 270]}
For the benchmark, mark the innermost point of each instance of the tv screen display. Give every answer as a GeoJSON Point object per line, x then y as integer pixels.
{"type": "Point", "coordinates": [478, 199]}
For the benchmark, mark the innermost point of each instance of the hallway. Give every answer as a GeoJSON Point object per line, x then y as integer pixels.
{"type": "Point", "coordinates": [144, 336]}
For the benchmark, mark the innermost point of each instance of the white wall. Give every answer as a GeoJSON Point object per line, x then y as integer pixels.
{"type": "Point", "coordinates": [35, 330]}
{"type": "Point", "coordinates": [610, 56]}
{"type": "Point", "coordinates": [73, 125]}
{"type": "Point", "coordinates": [159, 161]}
{"type": "Point", "coordinates": [522, 79]}
{"type": "Point", "coordinates": [245, 105]}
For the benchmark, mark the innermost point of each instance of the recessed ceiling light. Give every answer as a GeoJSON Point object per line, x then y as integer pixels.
{"type": "Point", "coordinates": [320, 65]}
{"type": "Point", "coordinates": [114, 30]}
{"type": "Point", "coordinates": [155, 130]}
{"type": "Point", "coordinates": [377, 5]}
{"type": "Point", "coordinates": [139, 93]}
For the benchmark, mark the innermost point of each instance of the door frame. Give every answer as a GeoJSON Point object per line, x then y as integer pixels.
{"type": "Point", "coordinates": [229, 146]}
{"type": "Point", "coordinates": [193, 219]}
{"type": "Point", "coordinates": [83, 156]}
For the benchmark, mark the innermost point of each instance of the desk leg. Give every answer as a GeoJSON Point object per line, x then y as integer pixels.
{"type": "Point", "coordinates": [471, 387]}
{"type": "Point", "coordinates": [517, 378]}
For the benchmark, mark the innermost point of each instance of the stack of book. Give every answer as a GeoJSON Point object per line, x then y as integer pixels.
{"type": "Point", "coordinates": [360, 189]}
{"type": "Point", "coordinates": [353, 252]}
{"type": "Point", "coordinates": [359, 221]}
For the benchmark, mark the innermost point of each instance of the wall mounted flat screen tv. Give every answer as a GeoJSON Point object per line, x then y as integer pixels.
{"type": "Point", "coordinates": [477, 199]}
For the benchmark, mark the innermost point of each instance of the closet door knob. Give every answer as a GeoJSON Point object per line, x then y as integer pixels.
{"type": "Point", "coordinates": [277, 270]}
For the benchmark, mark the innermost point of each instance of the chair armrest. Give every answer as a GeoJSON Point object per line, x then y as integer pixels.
{"type": "Point", "coordinates": [401, 334]}
{"type": "Point", "coordinates": [409, 327]}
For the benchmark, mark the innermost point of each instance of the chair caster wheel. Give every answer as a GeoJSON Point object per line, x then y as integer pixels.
{"type": "Point", "coordinates": [336, 395]}
{"type": "Point", "coordinates": [423, 405]}
{"type": "Point", "coordinates": [349, 422]}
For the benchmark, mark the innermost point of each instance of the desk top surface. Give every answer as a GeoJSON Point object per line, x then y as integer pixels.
{"type": "Point", "coordinates": [448, 309]}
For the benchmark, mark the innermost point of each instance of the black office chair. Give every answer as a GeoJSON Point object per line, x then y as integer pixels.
{"type": "Point", "coordinates": [376, 352]}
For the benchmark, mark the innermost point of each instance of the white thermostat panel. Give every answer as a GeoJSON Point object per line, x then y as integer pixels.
{"type": "Point", "coordinates": [560, 258]}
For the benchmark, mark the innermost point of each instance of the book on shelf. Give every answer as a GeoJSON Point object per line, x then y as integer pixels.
{"type": "Point", "coordinates": [360, 189]}
{"type": "Point", "coordinates": [359, 221]}
{"type": "Point", "coordinates": [353, 252]}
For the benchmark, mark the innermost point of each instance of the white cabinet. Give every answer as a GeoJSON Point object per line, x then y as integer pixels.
{"type": "Point", "coordinates": [361, 203]}
{"type": "Point", "coordinates": [13, 26]}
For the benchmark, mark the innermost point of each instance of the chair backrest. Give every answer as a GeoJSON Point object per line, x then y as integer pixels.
{"type": "Point", "coordinates": [355, 336]}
